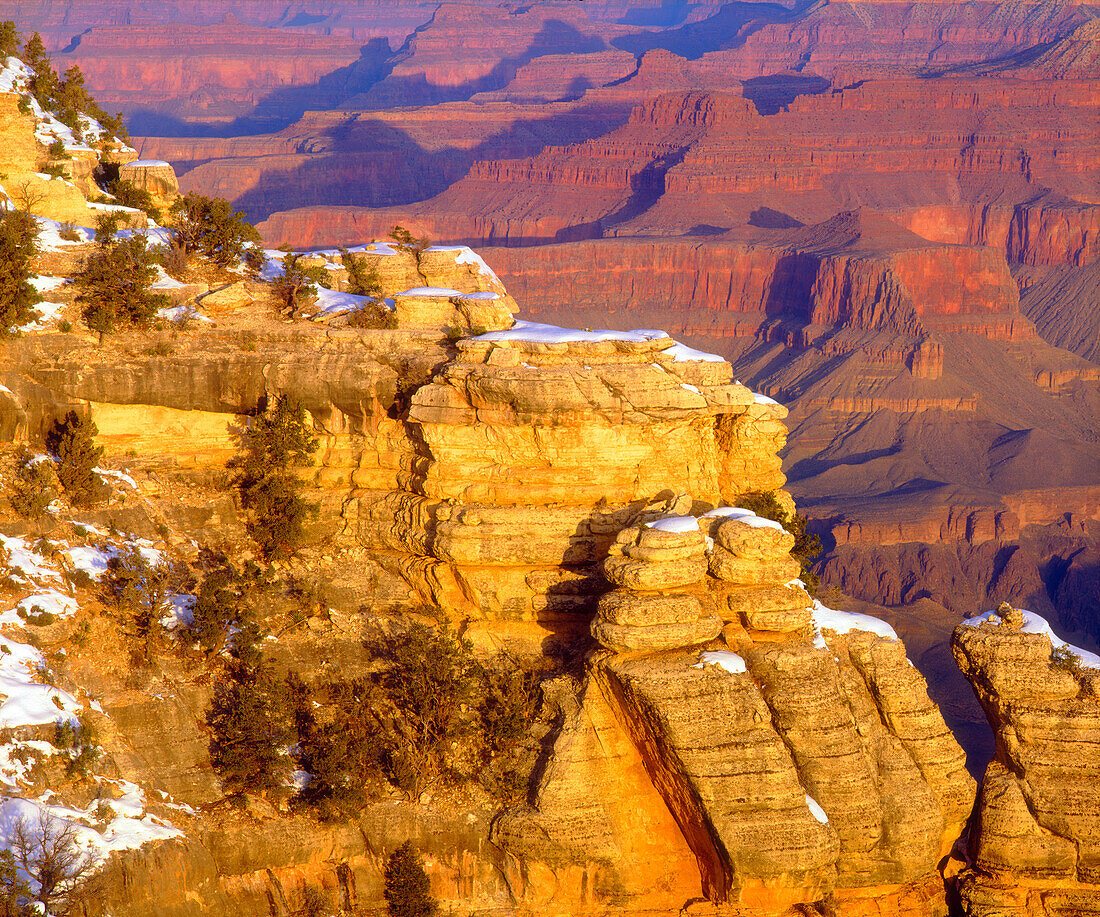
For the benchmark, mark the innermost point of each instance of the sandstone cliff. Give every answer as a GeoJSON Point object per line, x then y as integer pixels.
{"type": "Point", "coordinates": [498, 471]}
{"type": "Point", "coordinates": [1033, 842]}
{"type": "Point", "coordinates": [63, 195]}
{"type": "Point", "coordinates": [810, 715]}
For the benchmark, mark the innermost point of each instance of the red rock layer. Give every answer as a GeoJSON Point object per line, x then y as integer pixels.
{"type": "Point", "coordinates": [686, 161]}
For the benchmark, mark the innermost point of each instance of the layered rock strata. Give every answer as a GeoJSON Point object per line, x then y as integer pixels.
{"type": "Point", "coordinates": [535, 447]}
{"type": "Point", "coordinates": [1035, 842]}
{"type": "Point", "coordinates": [787, 762]}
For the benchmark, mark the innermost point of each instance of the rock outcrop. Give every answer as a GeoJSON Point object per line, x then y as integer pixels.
{"type": "Point", "coordinates": [791, 760]}
{"type": "Point", "coordinates": [45, 183]}
{"type": "Point", "coordinates": [1033, 843]}
{"type": "Point", "coordinates": [537, 443]}
{"type": "Point", "coordinates": [507, 478]}
{"type": "Point", "coordinates": [154, 176]}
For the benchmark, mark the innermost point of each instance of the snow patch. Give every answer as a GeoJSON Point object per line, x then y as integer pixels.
{"type": "Point", "coordinates": [679, 524]}
{"type": "Point", "coordinates": [431, 291]}
{"type": "Point", "coordinates": [331, 302]}
{"type": "Point", "coordinates": [48, 284]}
{"type": "Point", "coordinates": [27, 702]}
{"type": "Point", "coordinates": [165, 282]}
{"type": "Point", "coordinates": [747, 516]}
{"type": "Point", "coordinates": [844, 621]}
{"type": "Point", "coordinates": [23, 561]}
{"type": "Point", "coordinates": [1037, 624]}
{"type": "Point", "coordinates": [117, 476]}
{"type": "Point", "coordinates": [538, 333]}
{"type": "Point", "coordinates": [815, 810]}
{"type": "Point", "coordinates": [49, 235]}
{"type": "Point", "coordinates": [681, 353]}
{"type": "Point", "coordinates": [724, 659]}
{"type": "Point", "coordinates": [128, 825]}
{"type": "Point", "coordinates": [180, 613]}
{"type": "Point", "coordinates": [466, 255]}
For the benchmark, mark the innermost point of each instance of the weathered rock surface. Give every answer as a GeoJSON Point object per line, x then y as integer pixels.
{"type": "Point", "coordinates": [794, 769]}
{"type": "Point", "coordinates": [156, 177]}
{"type": "Point", "coordinates": [1034, 842]}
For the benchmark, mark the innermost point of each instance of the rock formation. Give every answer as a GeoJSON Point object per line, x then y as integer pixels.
{"type": "Point", "coordinates": [492, 469]}
{"type": "Point", "coordinates": [537, 443]}
{"type": "Point", "coordinates": [723, 743]}
{"type": "Point", "coordinates": [1033, 843]}
{"type": "Point", "coordinates": [788, 761]}
{"type": "Point", "coordinates": [64, 195]}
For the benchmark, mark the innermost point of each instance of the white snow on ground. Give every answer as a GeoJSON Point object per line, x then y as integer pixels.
{"type": "Point", "coordinates": [148, 163]}
{"type": "Point", "coordinates": [112, 208]}
{"type": "Point", "coordinates": [26, 702]}
{"type": "Point", "coordinates": [49, 235]}
{"type": "Point", "coordinates": [815, 810]}
{"type": "Point", "coordinates": [180, 612]}
{"type": "Point", "coordinates": [24, 563]}
{"type": "Point", "coordinates": [690, 388]}
{"type": "Point", "coordinates": [844, 621]}
{"type": "Point", "coordinates": [273, 264]}
{"type": "Point", "coordinates": [14, 75]}
{"type": "Point", "coordinates": [466, 255]}
{"type": "Point", "coordinates": [50, 601]}
{"type": "Point", "coordinates": [763, 399]}
{"type": "Point", "coordinates": [117, 476]}
{"type": "Point", "coordinates": [681, 353]}
{"type": "Point", "coordinates": [552, 334]}
{"type": "Point", "coordinates": [47, 311]}
{"type": "Point", "coordinates": [747, 516]}
{"type": "Point", "coordinates": [181, 313]}
{"type": "Point", "coordinates": [165, 282]}
{"type": "Point", "coordinates": [483, 295]}
{"type": "Point", "coordinates": [431, 291]}
{"type": "Point", "coordinates": [332, 302]}
{"type": "Point", "coordinates": [679, 524]}
{"type": "Point", "coordinates": [724, 659]}
{"type": "Point", "coordinates": [1037, 624]}
{"type": "Point", "coordinates": [17, 761]}
{"type": "Point", "coordinates": [155, 235]}
{"type": "Point", "coordinates": [48, 284]}
{"type": "Point", "coordinates": [93, 560]}
{"type": "Point", "coordinates": [105, 826]}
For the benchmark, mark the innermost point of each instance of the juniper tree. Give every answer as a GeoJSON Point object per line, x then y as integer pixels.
{"type": "Point", "coordinates": [211, 228]}
{"type": "Point", "coordinates": [405, 241]}
{"type": "Point", "coordinates": [33, 487]}
{"type": "Point", "coordinates": [142, 590]}
{"type": "Point", "coordinates": [219, 606]}
{"type": "Point", "coordinates": [113, 286]}
{"type": "Point", "coordinates": [9, 39]}
{"type": "Point", "coordinates": [408, 890]}
{"type": "Point", "coordinates": [247, 721]}
{"type": "Point", "coordinates": [363, 278]}
{"type": "Point", "coordinates": [276, 441]}
{"type": "Point", "coordinates": [296, 284]}
{"type": "Point", "coordinates": [44, 84]}
{"type": "Point", "coordinates": [72, 442]}
{"type": "Point", "coordinates": [18, 245]}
